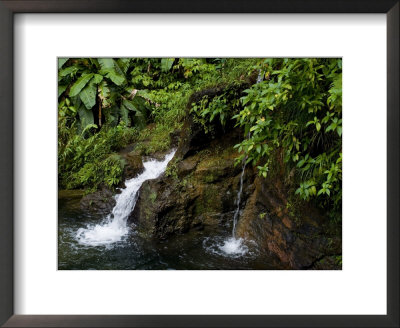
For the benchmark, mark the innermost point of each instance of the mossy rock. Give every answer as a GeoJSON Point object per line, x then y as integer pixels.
{"type": "Point", "coordinates": [133, 165]}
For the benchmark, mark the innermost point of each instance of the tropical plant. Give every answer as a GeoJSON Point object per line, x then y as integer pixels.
{"type": "Point", "coordinates": [298, 109]}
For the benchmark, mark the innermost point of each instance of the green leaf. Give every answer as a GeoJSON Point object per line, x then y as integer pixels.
{"type": "Point", "coordinates": [300, 163]}
{"type": "Point", "coordinates": [68, 70]}
{"type": "Point", "coordinates": [85, 116]}
{"type": "Point", "coordinates": [330, 127]}
{"type": "Point", "coordinates": [129, 105]}
{"type": "Point", "coordinates": [97, 78]}
{"type": "Point", "coordinates": [88, 95]}
{"type": "Point", "coordinates": [123, 112]}
{"type": "Point", "coordinates": [61, 62]}
{"type": "Point", "coordinates": [106, 62]}
{"type": "Point", "coordinates": [166, 64]}
{"type": "Point", "coordinates": [80, 84]}
{"type": "Point", "coordinates": [61, 89]}
{"type": "Point", "coordinates": [113, 76]}
{"type": "Point", "coordinates": [123, 64]}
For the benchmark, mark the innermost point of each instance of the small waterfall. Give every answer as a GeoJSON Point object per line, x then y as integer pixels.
{"type": "Point", "coordinates": [260, 76]}
{"type": "Point", "coordinates": [239, 195]}
{"type": "Point", "coordinates": [114, 228]}
{"type": "Point", "coordinates": [235, 246]}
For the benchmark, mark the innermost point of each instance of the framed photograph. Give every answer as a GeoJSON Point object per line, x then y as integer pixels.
{"type": "Point", "coordinates": [206, 164]}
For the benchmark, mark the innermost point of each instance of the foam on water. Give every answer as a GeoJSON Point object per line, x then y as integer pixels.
{"type": "Point", "coordinates": [227, 247]}
{"type": "Point", "coordinates": [234, 246]}
{"type": "Point", "coordinates": [114, 228]}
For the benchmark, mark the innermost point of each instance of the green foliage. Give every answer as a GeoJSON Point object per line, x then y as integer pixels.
{"type": "Point", "coordinates": [294, 114]}
{"type": "Point", "coordinates": [166, 64]}
{"type": "Point", "coordinates": [153, 197]}
{"type": "Point", "coordinates": [172, 170]}
{"type": "Point", "coordinates": [87, 161]}
{"type": "Point", "coordinates": [297, 108]}
{"type": "Point", "coordinates": [102, 85]}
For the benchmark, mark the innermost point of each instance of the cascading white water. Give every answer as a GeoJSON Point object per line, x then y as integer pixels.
{"type": "Point", "coordinates": [239, 195]}
{"type": "Point", "coordinates": [114, 228]}
{"type": "Point", "coordinates": [260, 76]}
{"type": "Point", "coordinates": [233, 245]}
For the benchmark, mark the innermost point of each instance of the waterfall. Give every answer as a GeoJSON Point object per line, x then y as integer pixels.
{"type": "Point", "coordinates": [235, 246]}
{"type": "Point", "coordinates": [239, 195]}
{"type": "Point", "coordinates": [260, 76]}
{"type": "Point", "coordinates": [114, 228]}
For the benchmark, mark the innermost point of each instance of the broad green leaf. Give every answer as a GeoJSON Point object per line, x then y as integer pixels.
{"type": "Point", "coordinates": [85, 116]}
{"type": "Point", "coordinates": [61, 89]}
{"type": "Point", "coordinates": [113, 76]}
{"type": "Point", "coordinates": [80, 84]}
{"type": "Point", "coordinates": [68, 70]}
{"type": "Point", "coordinates": [166, 64]}
{"type": "Point", "coordinates": [97, 78]}
{"type": "Point", "coordinates": [129, 105]}
{"type": "Point", "coordinates": [123, 112]}
{"type": "Point", "coordinates": [123, 64]}
{"type": "Point", "coordinates": [88, 95]}
{"type": "Point", "coordinates": [61, 62]}
{"type": "Point", "coordinates": [106, 62]}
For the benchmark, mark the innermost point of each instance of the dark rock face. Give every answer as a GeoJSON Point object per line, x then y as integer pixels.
{"type": "Point", "coordinates": [100, 202]}
{"type": "Point", "coordinates": [195, 192]}
{"type": "Point", "coordinates": [199, 190]}
{"type": "Point", "coordinates": [301, 240]}
{"type": "Point", "coordinates": [133, 165]}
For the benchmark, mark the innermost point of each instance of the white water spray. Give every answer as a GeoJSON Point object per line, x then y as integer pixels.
{"type": "Point", "coordinates": [114, 228]}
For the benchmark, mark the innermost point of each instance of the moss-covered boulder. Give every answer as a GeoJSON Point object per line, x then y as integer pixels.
{"type": "Point", "coordinates": [195, 192]}
{"type": "Point", "coordinates": [133, 165]}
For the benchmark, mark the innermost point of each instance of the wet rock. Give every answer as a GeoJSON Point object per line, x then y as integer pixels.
{"type": "Point", "coordinates": [199, 189]}
{"type": "Point", "coordinates": [196, 192]}
{"type": "Point", "coordinates": [299, 240]}
{"type": "Point", "coordinates": [133, 165]}
{"type": "Point", "coordinates": [70, 198]}
{"type": "Point", "coordinates": [100, 202]}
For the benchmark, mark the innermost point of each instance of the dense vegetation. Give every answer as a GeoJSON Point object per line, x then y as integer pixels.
{"type": "Point", "coordinates": [295, 112]}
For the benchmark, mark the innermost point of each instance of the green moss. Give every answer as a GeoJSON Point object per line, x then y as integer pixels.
{"type": "Point", "coordinates": [209, 178]}
{"type": "Point", "coordinates": [153, 197]}
{"type": "Point", "coordinates": [172, 169]}
{"type": "Point", "coordinates": [262, 215]}
{"type": "Point", "coordinates": [156, 138]}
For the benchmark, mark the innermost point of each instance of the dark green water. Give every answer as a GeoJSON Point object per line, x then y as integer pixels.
{"type": "Point", "coordinates": [196, 250]}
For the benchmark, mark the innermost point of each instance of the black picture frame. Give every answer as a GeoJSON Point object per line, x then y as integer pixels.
{"type": "Point", "coordinates": [10, 7]}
